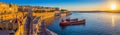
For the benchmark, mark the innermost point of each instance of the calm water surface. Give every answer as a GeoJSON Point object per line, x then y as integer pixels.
{"type": "Point", "coordinates": [96, 24]}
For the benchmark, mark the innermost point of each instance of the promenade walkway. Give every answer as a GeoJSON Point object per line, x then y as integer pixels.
{"type": "Point", "coordinates": [44, 30]}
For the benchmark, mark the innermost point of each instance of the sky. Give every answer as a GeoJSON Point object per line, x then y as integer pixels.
{"type": "Point", "coordinates": [73, 5]}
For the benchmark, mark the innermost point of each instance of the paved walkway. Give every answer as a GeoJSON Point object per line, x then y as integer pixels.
{"type": "Point", "coordinates": [4, 32]}
{"type": "Point", "coordinates": [44, 30]}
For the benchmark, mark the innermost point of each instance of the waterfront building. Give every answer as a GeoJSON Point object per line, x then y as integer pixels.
{"type": "Point", "coordinates": [9, 11]}
{"type": "Point", "coordinates": [7, 8]}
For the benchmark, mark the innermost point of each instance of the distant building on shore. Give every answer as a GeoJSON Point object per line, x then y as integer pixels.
{"type": "Point", "coordinates": [38, 9]}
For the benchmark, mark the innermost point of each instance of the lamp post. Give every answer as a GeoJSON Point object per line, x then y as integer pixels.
{"type": "Point", "coordinates": [10, 5]}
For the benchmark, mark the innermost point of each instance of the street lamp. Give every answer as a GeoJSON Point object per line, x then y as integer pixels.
{"type": "Point", "coordinates": [10, 6]}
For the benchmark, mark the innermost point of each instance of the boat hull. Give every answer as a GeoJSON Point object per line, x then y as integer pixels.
{"type": "Point", "coordinates": [72, 23]}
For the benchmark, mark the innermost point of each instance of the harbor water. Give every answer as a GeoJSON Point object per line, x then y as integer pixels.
{"type": "Point", "coordinates": [96, 24]}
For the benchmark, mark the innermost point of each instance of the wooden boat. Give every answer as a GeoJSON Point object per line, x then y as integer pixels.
{"type": "Point", "coordinates": [70, 22]}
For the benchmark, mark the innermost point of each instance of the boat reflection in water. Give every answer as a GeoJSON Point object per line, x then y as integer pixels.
{"type": "Point", "coordinates": [64, 27]}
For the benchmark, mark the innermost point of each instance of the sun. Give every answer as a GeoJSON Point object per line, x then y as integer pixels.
{"type": "Point", "coordinates": [113, 7]}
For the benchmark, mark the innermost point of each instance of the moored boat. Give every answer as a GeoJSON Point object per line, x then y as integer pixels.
{"type": "Point", "coordinates": [70, 22]}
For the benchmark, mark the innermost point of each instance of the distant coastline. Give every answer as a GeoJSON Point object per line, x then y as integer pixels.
{"type": "Point", "coordinates": [118, 11]}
